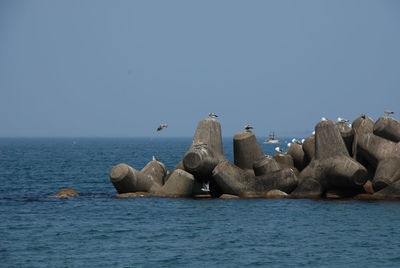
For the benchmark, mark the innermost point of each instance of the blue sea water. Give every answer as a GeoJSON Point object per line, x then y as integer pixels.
{"type": "Point", "coordinates": [99, 230]}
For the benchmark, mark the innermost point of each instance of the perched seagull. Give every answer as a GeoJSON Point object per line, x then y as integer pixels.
{"type": "Point", "coordinates": [278, 150]}
{"type": "Point", "coordinates": [342, 120]}
{"type": "Point", "coordinates": [289, 144]}
{"type": "Point", "coordinates": [161, 127]}
{"type": "Point", "coordinates": [154, 158]}
{"type": "Point", "coordinates": [323, 119]}
{"type": "Point", "coordinates": [296, 141]}
{"type": "Point", "coordinates": [313, 132]}
{"type": "Point", "coordinates": [206, 187]}
{"type": "Point", "coordinates": [303, 140]}
{"type": "Point", "coordinates": [248, 128]}
{"type": "Point", "coordinates": [388, 112]}
{"type": "Point", "coordinates": [212, 115]}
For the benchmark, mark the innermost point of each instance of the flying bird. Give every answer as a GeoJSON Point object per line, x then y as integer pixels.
{"type": "Point", "coordinates": [248, 128]}
{"type": "Point", "coordinates": [161, 127]}
{"type": "Point", "coordinates": [388, 112]}
{"type": "Point", "coordinates": [212, 115]}
{"type": "Point", "coordinates": [279, 150]}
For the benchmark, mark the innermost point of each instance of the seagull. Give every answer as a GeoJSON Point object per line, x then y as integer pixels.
{"type": "Point", "coordinates": [342, 120]}
{"type": "Point", "coordinates": [388, 112]}
{"type": "Point", "coordinates": [289, 144]}
{"type": "Point", "coordinates": [248, 127]}
{"type": "Point", "coordinates": [206, 187]}
{"type": "Point", "coordinates": [313, 132]}
{"type": "Point", "coordinates": [303, 140]}
{"type": "Point", "coordinates": [278, 150]}
{"type": "Point", "coordinates": [161, 127]}
{"type": "Point", "coordinates": [323, 119]}
{"type": "Point", "coordinates": [212, 115]}
{"type": "Point", "coordinates": [296, 141]}
{"type": "Point", "coordinates": [154, 158]}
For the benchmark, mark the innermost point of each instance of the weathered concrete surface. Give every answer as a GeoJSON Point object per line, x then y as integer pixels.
{"type": "Point", "coordinates": [228, 196]}
{"type": "Point", "coordinates": [375, 149]}
{"type": "Point", "coordinates": [362, 125]}
{"type": "Point", "coordinates": [179, 184]}
{"type": "Point", "coordinates": [308, 188]}
{"type": "Point", "coordinates": [388, 128]}
{"type": "Point", "coordinates": [309, 148]}
{"type": "Point", "coordinates": [390, 192]}
{"type": "Point", "coordinates": [233, 180]}
{"type": "Point", "coordinates": [387, 172]}
{"type": "Point", "coordinates": [265, 165]}
{"type": "Point", "coordinates": [246, 150]}
{"type": "Point", "coordinates": [298, 155]}
{"type": "Point", "coordinates": [66, 193]}
{"type": "Point", "coordinates": [332, 166]}
{"type": "Point", "coordinates": [347, 133]}
{"type": "Point", "coordinates": [204, 154]}
{"type": "Point", "coordinates": [284, 160]}
{"type": "Point", "coordinates": [126, 179]}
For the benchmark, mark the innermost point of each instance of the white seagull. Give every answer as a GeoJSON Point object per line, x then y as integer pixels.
{"type": "Point", "coordinates": [162, 126]}
{"type": "Point", "coordinates": [278, 150]}
{"type": "Point", "coordinates": [388, 112]}
{"type": "Point", "coordinates": [296, 141]}
{"type": "Point", "coordinates": [289, 144]}
{"type": "Point", "coordinates": [342, 120]}
{"type": "Point", "coordinates": [323, 119]}
{"type": "Point", "coordinates": [212, 115]}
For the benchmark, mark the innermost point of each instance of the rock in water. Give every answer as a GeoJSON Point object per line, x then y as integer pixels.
{"type": "Point", "coordinates": [66, 193]}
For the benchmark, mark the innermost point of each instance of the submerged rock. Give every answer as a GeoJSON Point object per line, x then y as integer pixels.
{"type": "Point", "coordinates": [65, 193]}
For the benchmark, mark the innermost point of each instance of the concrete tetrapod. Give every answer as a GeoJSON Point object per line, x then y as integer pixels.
{"type": "Point", "coordinates": [246, 150]}
{"type": "Point", "coordinates": [362, 125]}
{"type": "Point", "coordinates": [388, 128]}
{"type": "Point", "coordinates": [332, 167]}
{"type": "Point", "coordinates": [382, 154]}
{"type": "Point", "coordinates": [309, 148]}
{"type": "Point", "coordinates": [204, 154]}
{"type": "Point", "coordinates": [236, 181]}
{"type": "Point", "coordinates": [126, 179]}
{"type": "Point", "coordinates": [179, 184]}
{"type": "Point", "coordinates": [299, 157]}
{"type": "Point", "coordinates": [347, 133]}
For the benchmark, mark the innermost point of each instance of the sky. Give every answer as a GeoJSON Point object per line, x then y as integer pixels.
{"type": "Point", "coordinates": [95, 68]}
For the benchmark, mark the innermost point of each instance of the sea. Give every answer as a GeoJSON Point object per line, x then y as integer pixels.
{"type": "Point", "coordinates": [97, 229]}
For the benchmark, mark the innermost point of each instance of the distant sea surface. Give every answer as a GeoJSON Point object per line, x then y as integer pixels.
{"type": "Point", "coordinates": [99, 230]}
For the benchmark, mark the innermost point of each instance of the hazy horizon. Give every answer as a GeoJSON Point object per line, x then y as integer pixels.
{"type": "Point", "coordinates": [121, 68]}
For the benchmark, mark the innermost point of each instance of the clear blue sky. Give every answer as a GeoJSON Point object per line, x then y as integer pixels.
{"type": "Point", "coordinates": [120, 68]}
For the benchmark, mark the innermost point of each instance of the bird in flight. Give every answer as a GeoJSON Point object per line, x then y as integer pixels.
{"type": "Point", "coordinates": [212, 115]}
{"type": "Point", "coordinates": [162, 126]}
{"type": "Point", "coordinates": [248, 128]}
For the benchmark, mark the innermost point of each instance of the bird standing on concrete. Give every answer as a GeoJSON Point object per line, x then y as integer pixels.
{"type": "Point", "coordinates": [388, 112]}
{"type": "Point", "coordinates": [212, 115]}
{"type": "Point", "coordinates": [323, 119]}
{"type": "Point", "coordinates": [278, 150]}
{"type": "Point", "coordinates": [296, 141]}
{"type": "Point", "coordinates": [248, 128]}
{"type": "Point", "coordinates": [161, 127]}
{"type": "Point", "coordinates": [342, 120]}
